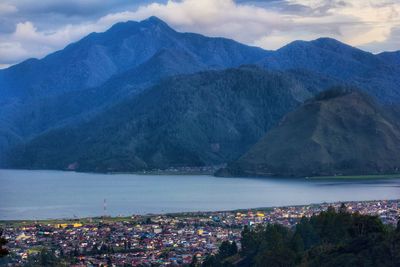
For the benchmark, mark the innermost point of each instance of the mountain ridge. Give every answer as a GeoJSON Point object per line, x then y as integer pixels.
{"type": "Point", "coordinates": [92, 60]}
{"type": "Point", "coordinates": [205, 118]}
{"type": "Point", "coordinates": [375, 74]}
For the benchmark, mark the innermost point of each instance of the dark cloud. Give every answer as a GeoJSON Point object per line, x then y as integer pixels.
{"type": "Point", "coordinates": [48, 14]}
{"type": "Point", "coordinates": [273, 4]}
{"type": "Point", "coordinates": [293, 8]}
{"type": "Point", "coordinates": [75, 7]}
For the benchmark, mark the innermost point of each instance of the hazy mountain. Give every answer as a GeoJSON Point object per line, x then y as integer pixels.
{"type": "Point", "coordinates": [94, 59]}
{"type": "Point", "coordinates": [100, 70]}
{"type": "Point", "coordinates": [200, 119]}
{"type": "Point", "coordinates": [71, 107]}
{"type": "Point", "coordinates": [375, 74]}
{"type": "Point", "coordinates": [338, 132]}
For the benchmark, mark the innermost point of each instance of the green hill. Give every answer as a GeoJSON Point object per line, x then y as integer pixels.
{"type": "Point", "coordinates": [339, 132]}
{"type": "Point", "coordinates": [195, 120]}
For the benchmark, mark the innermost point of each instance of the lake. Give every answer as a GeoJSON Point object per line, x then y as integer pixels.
{"type": "Point", "coordinates": [57, 194]}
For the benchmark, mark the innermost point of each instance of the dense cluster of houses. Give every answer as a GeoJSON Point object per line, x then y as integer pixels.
{"type": "Point", "coordinates": [174, 239]}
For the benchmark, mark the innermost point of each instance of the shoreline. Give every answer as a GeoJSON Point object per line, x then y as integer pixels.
{"type": "Point", "coordinates": [356, 177]}
{"type": "Point", "coordinates": [212, 169]}
{"type": "Point", "coordinates": [181, 214]}
{"type": "Point", "coordinates": [143, 173]}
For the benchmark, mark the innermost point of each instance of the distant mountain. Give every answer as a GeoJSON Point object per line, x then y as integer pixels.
{"type": "Point", "coordinates": [375, 74]}
{"type": "Point", "coordinates": [392, 58]}
{"type": "Point", "coordinates": [338, 132]}
{"type": "Point", "coordinates": [44, 113]}
{"type": "Point", "coordinates": [100, 70]}
{"type": "Point", "coordinates": [94, 59]}
{"type": "Point", "coordinates": [200, 119]}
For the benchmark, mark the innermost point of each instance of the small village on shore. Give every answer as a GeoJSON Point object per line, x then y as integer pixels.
{"type": "Point", "coordinates": [162, 240]}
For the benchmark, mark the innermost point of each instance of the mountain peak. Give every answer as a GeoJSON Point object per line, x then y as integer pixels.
{"type": "Point", "coordinates": [327, 40]}
{"type": "Point", "coordinates": [323, 42]}
{"type": "Point", "coordinates": [334, 45]}
{"type": "Point", "coordinates": [151, 23]}
{"type": "Point", "coordinates": [154, 21]}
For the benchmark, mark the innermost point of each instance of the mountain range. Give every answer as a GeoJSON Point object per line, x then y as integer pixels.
{"type": "Point", "coordinates": [194, 120]}
{"type": "Point", "coordinates": [97, 57]}
{"type": "Point", "coordinates": [142, 95]}
{"type": "Point", "coordinates": [100, 70]}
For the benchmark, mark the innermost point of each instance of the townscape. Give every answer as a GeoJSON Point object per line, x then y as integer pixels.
{"type": "Point", "coordinates": [163, 240]}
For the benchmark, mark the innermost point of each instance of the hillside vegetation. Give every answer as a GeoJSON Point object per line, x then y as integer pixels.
{"type": "Point", "coordinates": [201, 119]}
{"type": "Point", "coordinates": [329, 239]}
{"type": "Point", "coordinates": [339, 132]}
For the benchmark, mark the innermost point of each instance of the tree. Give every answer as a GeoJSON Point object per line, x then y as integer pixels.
{"type": "Point", "coordinates": [109, 261]}
{"type": "Point", "coordinates": [3, 251]}
{"type": "Point", "coordinates": [249, 242]}
{"type": "Point", "coordinates": [44, 258]}
{"type": "Point", "coordinates": [328, 239]}
{"type": "Point", "coordinates": [343, 208]}
{"type": "Point", "coordinates": [227, 249]}
{"type": "Point", "coordinates": [211, 261]}
{"type": "Point", "coordinates": [194, 262]}
{"type": "Point", "coordinates": [234, 248]}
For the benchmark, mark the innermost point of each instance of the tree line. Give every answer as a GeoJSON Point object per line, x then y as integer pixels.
{"type": "Point", "coordinates": [331, 238]}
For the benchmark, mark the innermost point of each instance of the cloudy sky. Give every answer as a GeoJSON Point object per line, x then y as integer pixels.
{"type": "Point", "coordinates": [31, 28]}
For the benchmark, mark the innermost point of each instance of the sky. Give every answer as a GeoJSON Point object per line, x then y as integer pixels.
{"type": "Point", "coordinates": [32, 28]}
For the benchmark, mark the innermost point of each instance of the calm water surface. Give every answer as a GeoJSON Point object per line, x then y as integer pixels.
{"type": "Point", "coordinates": [57, 194]}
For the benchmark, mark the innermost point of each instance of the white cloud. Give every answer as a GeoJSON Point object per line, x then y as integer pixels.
{"type": "Point", "coordinates": [211, 17]}
{"type": "Point", "coordinates": [276, 39]}
{"type": "Point", "coordinates": [11, 50]}
{"type": "Point", "coordinates": [3, 66]}
{"type": "Point", "coordinates": [27, 41]}
{"type": "Point", "coordinates": [6, 8]}
{"type": "Point", "coordinates": [358, 22]}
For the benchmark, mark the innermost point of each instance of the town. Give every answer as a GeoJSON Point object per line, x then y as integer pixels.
{"type": "Point", "coordinates": [161, 240]}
